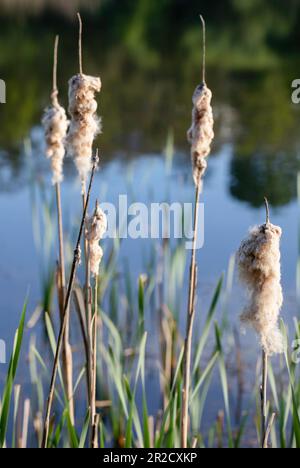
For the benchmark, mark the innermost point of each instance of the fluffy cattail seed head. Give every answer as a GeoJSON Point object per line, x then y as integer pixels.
{"type": "Point", "coordinates": [85, 124]}
{"type": "Point", "coordinates": [259, 268]}
{"type": "Point", "coordinates": [55, 125]}
{"type": "Point", "coordinates": [96, 227]}
{"type": "Point", "coordinates": [201, 133]}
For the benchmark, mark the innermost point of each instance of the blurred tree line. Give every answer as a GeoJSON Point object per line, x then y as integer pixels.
{"type": "Point", "coordinates": [241, 33]}
{"type": "Point", "coordinates": [238, 30]}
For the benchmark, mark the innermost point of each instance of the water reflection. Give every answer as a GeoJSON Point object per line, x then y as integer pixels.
{"type": "Point", "coordinates": [141, 101]}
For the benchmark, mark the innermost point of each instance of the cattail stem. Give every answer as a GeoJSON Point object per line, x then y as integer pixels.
{"type": "Point", "coordinates": [76, 259]}
{"type": "Point", "coordinates": [67, 353]}
{"type": "Point", "coordinates": [60, 242]}
{"type": "Point", "coordinates": [267, 211]}
{"type": "Point", "coordinates": [189, 328]}
{"type": "Point", "coordinates": [204, 50]}
{"type": "Point", "coordinates": [268, 431]}
{"type": "Point", "coordinates": [88, 305]}
{"type": "Point", "coordinates": [202, 117]}
{"type": "Point", "coordinates": [54, 75]}
{"type": "Point", "coordinates": [264, 397]}
{"type": "Point", "coordinates": [94, 362]}
{"type": "Point", "coordinates": [95, 444]}
{"type": "Point", "coordinates": [264, 386]}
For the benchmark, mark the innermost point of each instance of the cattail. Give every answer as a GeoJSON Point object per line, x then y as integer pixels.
{"type": "Point", "coordinates": [259, 268]}
{"type": "Point", "coordinates": [55, 124]}
{"type": "Point", "coordinates": [201, 133]}
{"type": "Point", "coordinates": [96, 227]}
{"type": "Point", "coordinates": [85, 124]}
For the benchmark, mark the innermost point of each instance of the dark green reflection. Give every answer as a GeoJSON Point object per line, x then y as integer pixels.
{"type": "Point", "coordinates": [148, 55]}
{"type": "Point", "coordinates": [266, 159]}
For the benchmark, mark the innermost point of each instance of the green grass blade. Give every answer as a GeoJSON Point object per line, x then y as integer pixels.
{"type": "Point", "coordinates": [11, 376]}
{"type": "Point", "coordinates": [204, 375]}
{"type": "Point", "coordinates": [208, 323]}
{"type": "Point", "coordinates": [71, 430]}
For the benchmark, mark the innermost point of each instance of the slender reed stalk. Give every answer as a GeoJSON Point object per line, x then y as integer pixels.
{"type": "Point", "coordinates": [80, 44]}
{"type": "Point", "coordinates": [23, 441]}
{"type": "Point", "coordinates": [264, 385]}
{"type": "Point", "coordinates": [200, 140]}
{"type": "Point", "coordinates": [67, 350]}
{"type": "Point", "coordinates": [96, 226]}
{"type": "Point", "coordinates": [264, 388]}
{"type": "Point", "coordinates": [95, 432]}
{"type": "Point", "coordinates": [88, 307]}
{"type": "Point", "coordinates": [189, 329]}
{"type": "Point", "coordinates": [55, 123]}
{"type": "Point", "coordinates": [76, 260]}
{"type": "Point", "coordinates": [259, 268]}
{"type": "Point", "coordinates": [94, 364]}
{"type": "Point", "coordinates": [61, 266]}
{"type": "Point", "coordinates": [85, 125]}
{"type": "Point", "coordinates": [268, 431]}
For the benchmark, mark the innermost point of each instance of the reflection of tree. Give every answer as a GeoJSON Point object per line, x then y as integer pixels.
{"type": "Point", "coordinates": [266, 117]}
{"type": "Point", "coordinates": [265, 161]}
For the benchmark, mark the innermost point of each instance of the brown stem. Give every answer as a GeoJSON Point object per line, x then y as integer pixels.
{"type": "Point", "coordinates": [264, 369]}
{"type": "Point", "coordinates": [267, 211]}
{"type": "Point", "coordinates": [95, 432]}
{"type": "Point", "coordinates": [189, 328]}
{"type": "Point", "coordinates": [54, 76]}
{"type": "Point", "coordinates": [60, 243]}
{"type": "Point", "coordinates": [82, 321]}
{"type": "Point", "coordinates": [75, 263]}
{"type": "Point", "coordinates": [94, 360]}
{"type": "Point", "coordinates": [264, 397]}
{"type": "Point", "coordinates": [66, 352]}
{"type": "Point", "coordinates": [268, 431]}
{"type": "Point", "coordinates": [204, 50]}
{"type": "Point", "coordinates": [80, 43]}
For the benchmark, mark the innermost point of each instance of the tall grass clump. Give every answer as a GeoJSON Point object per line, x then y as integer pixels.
{"type": "Point", "coordinates": [200, 137]}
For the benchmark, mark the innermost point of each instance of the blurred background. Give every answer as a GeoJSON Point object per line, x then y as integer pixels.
{"type": "Point", "coordinates": [149, 54]}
